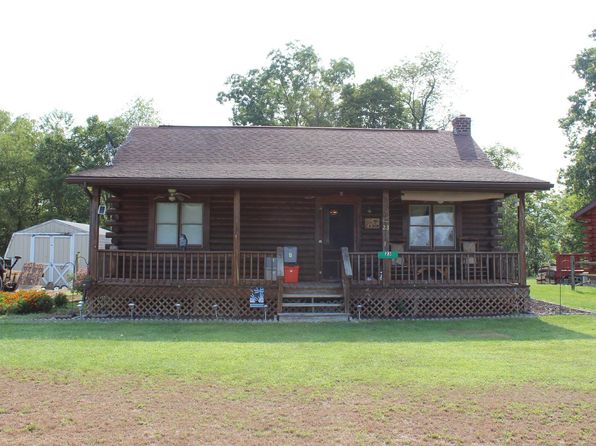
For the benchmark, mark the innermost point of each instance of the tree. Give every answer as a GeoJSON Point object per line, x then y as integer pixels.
{"type": "Point", "coordinates": [504, 158]}
{"type": "Point", "coordinates": [56, 156]}
{"type": "Point", "coordinates": [549, 226]}
{"type": "Point", "coordinates": [141, 112]}
{"type": "Point", "coordinates": [424, 82]}
{"type": "Point", "coordinates": [373, 104]}
{"type": "Point", "coordinates": [19, 204]}
{"type": "Point", "coordinates": [580, 128]}
{"type": "Point", "coordinates": [294, 89]}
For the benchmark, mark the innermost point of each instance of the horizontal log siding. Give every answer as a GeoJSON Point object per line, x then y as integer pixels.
{"type": "Point", "coordinates": [221, 211]}
{"type": "Point", "coordinates": [480, 222]}
{"type": "Point", "coordinates": [269, 220]}
{"type": "Point", "coordinates": [372, 207]}
{"type": "Point", "coordinates": [128, 214]}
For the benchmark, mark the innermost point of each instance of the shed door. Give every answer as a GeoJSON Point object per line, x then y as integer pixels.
{"type": "Point", "coordinates": [55, 252]}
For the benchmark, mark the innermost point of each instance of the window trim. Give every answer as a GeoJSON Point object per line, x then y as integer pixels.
{"type": "Point", "coordinates": [431, 228]}
{"type": "Point", "coordinates": [204, 225]}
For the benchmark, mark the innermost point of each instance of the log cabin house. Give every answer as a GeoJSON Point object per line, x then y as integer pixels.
{"type": "Point", "coordinates": [200, 216]}
{"type": "Point", "coordinates": [587, 217]}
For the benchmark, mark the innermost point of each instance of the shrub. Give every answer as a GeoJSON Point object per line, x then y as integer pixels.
{"type": "Point", "coordinates": [60, 300]}
{"type": "Point", "coordinates": [25, 301]}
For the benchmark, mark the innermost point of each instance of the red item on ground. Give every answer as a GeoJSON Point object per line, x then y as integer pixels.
{"type": "Point", "coordinates": [291, 273]}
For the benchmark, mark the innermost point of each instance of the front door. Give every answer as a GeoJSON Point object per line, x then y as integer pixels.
{"type": "Point", "coordinates": [338, 231]}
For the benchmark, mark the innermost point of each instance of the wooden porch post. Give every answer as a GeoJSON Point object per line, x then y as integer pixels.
{"type": "Point", "coordinates": [93, 232]}
{"type": "Point", "coordinates": [236, 245]}
{"type": "Point", "coordinates": [521, 236]}
{"type": "Point", "coordinates": [386, 238]}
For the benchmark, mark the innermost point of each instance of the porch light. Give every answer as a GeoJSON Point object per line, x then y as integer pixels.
{"type": "Point", "coordinates": [333, 212]}
{"type": "Point", "coordinates": [172, 194]}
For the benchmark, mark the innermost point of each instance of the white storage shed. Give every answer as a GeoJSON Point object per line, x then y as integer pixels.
{"type": "Point", "coordinates": [54, 244]}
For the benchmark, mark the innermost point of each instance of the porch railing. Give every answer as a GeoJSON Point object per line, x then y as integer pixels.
{"type": "Point", "coordinates": [174, 266]}
{"type": "Point", "coordinates": [438, 268]}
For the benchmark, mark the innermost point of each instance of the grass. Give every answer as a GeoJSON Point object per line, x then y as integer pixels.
{"type": "Point", "coordinates": [556, 350]}
{"type": "Point", "coordinates": [583, 297]}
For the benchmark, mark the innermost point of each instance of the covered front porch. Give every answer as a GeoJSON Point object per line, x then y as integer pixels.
{"type": "Point", "coordinates": [339, 235]}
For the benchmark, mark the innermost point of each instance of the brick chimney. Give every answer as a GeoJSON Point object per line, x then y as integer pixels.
{"type": "Point", "coordinates": [462, 125]}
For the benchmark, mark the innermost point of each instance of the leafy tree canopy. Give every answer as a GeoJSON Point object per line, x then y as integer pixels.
{"type": "Point", "coordinates": [549, 226]}
{"type": "Point", "coordinates": [294, 89]}
{"type": "Point", "coordinates": [580, 127]}
{"type": "Point", "coordinates": [502, 157]}
{"type": "Point", "coordinates": [36, 157]}
{"type": "Point", "coordinates": [424, 82]}
{"type": "Point", "coordinates": [373, 104]}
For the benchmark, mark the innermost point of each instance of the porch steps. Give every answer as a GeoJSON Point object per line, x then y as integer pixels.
{"type": "Point", "coordinates": [313, 317]}
{"type": "Point", "coordinates": [313, 302]}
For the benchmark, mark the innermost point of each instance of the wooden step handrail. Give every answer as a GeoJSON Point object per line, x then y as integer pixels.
{"type": "Point", "coordinates": [346, 277]}
{"type": "Point", "coordinates": [280, 278]}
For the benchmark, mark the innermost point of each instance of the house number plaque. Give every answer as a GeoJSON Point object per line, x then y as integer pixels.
{"type": "Point", "coordinates": [372, 223]}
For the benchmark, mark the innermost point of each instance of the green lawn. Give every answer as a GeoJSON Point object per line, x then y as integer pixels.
{"type": "Point", "coordinates": [583, 296]}
{"type": "Point", "coordinates": [556, 350]}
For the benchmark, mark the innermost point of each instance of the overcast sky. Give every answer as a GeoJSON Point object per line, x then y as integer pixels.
{"type": "Point", "coordinates": [512, 58]}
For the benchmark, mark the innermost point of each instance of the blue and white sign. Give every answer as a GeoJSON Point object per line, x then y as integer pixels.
{"type": "Point", "coordinates": [257, 297]}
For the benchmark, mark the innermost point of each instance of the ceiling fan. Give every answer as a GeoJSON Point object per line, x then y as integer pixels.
{"type": "Point", "coordinates": [172, 195]}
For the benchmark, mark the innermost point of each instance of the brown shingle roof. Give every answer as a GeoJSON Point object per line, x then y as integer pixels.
{"type": "Point", "coordinates": [277, 154]}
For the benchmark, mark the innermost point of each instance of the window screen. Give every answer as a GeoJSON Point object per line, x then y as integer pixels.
{"type": "Point", "coordinates": [432, 226]}
{"type": "Point", "coordinates": [166, 219]}
{"type": "Point", "coordinates": [420, 225]}
{"type": "Point", "coordinates": [192, 223]}
{"type": "Point", "coordinates": [174, 219]}
{"type": "Point", "coordinates": [444, 226]}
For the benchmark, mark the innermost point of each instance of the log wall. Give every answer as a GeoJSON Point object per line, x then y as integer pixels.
{"type": "Point", "coordinates": [270, 219]}
{"type": "Point", "coordinates": [589, 233]}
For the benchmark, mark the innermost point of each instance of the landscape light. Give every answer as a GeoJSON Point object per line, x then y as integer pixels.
{"type": "Point", "coordinates": [359, 307]}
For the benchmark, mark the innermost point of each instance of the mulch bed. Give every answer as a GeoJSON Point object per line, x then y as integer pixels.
{"type": "Point", "coordinates": [542, 308]}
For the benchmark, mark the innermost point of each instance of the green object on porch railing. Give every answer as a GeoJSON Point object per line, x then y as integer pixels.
{"type": "Point", "coordinates": [387, 255]}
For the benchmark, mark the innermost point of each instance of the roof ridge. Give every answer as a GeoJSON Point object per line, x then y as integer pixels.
{"type": "Point", "coordinates": [285, 127]}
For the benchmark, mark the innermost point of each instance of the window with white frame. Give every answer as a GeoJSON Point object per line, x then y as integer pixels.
{"type": "Point", "coordinates": [175, 219]}
{"type": "Point", "coordinates": [432, 226]}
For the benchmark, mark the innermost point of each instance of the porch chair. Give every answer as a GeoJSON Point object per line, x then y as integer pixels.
{"type": "Point", "coordinates": [469, 246]}
{"type": "Point", "coordinates": [397, 265]}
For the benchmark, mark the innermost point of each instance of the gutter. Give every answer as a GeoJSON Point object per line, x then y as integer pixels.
{"type": "Point", "coordinates": [323, 183]}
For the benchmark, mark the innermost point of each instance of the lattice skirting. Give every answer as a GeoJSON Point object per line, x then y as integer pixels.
{"type": "Point", "coordinates": [160, 301]}
{"type": "Point", "coordinates": [439, 302]}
